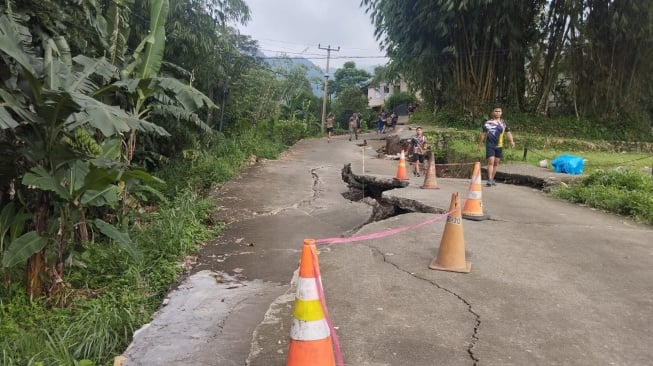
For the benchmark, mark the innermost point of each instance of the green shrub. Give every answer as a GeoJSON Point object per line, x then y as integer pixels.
{"type": "Point", "coordinates": [221, 160]}
{"type": "Point", "coordinates": [626, 192]}
{"type": "Point", "coordinates": [290, 131]}
{"type": "Point", "coordinates": [628, 180]}
{"type": "Point", "coordinates": [396, 99]}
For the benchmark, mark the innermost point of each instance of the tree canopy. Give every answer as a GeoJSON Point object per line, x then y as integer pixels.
{"type": "Point", "coordinates": [349, 76]}
{"type": "Point", "coordinates": [586, 58]}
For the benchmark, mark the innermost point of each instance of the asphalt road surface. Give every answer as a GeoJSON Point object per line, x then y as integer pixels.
{"type": "Point", "coordinates": [551, 283]}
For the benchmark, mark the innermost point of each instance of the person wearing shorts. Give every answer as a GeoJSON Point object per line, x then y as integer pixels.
{"type": "Point", "coordinates": [329, 125]}
{"type": "Point", "coordinates": [493, 132]}
{"type": "Point", "coordinates": [353, 126]}
{"type": "Point", "coordinates": [419, 145]}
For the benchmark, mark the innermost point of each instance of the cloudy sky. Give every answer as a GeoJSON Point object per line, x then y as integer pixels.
{"type": "Point", "coordinates": [296, 27]}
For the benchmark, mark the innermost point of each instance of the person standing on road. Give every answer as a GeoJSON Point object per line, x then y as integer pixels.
{"type": "Point", "coordinates": [419, 145]}
{"type": "Point", "coordinates": [353, 126]}
{"type": "Point", "coordinates": [386, 123]}
{"type": "Point", "coordinates": [380, 122]}
{"type": "Point", "coordinates": [329, 125]}
{"type": "Point", "coordinates": [359, 121]}
{"type": "Point", "coordinates": [493, 133]}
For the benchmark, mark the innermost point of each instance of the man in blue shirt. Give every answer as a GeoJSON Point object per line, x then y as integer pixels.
{"type": "Point", "coordinates": [493, 134]}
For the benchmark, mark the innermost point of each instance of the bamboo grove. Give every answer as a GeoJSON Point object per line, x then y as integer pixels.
{"type": "Point", "coordinates": [588, 58]}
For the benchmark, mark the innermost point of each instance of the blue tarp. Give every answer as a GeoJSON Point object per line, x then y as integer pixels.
{"type": "Point", "coordinates": [568, 164]}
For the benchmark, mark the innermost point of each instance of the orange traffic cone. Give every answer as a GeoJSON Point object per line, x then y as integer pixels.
{"type": "Point", "coordinates": [451, 255]}
{"type": "Point", "coordinates": [473, 208]}
{"type": "Point", "coordinates": [401, 169]}
{"type": "Point", "coordinates": [310, 337]}
{"type": "Point", "coordinates": [430, 180]}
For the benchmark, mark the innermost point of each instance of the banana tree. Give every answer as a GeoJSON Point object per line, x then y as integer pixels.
{"type": "Point", "coordinates": [143, 93]}
{"type": "Point", "coordinates": [146, 92]}
{"type": "Point", "coordinates": [44, 101]}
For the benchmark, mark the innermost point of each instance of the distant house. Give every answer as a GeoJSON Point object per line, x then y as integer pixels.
{"type": "Point", "coordinates": [377, 94]}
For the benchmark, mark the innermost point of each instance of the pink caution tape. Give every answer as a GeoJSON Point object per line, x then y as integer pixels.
{"type": "Point", "coordinates": [320, 292]}
{"type": "Point", "coordinates": [318, 282]}
{"type": "Point", "coordinates": [351, 239]}
{"type": "Point", "coordinates": [381, 234]}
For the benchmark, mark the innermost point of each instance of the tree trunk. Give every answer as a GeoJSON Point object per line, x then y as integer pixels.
{"type": "Point", "coordinates": [36, 263]}
{"type": "Point", "coordinates": [35, 269]}
{"type": "Point", "coordinates": [82, 228]}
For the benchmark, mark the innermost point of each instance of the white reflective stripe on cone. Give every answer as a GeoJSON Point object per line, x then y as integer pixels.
{"type": "Point", "coordinates": [307, 288]}
{"type": "Point", "coordinates": [475, 195]}
{"type": "Point", "coordinates": [309, 331]}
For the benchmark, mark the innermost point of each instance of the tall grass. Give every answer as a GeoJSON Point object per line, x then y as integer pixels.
{"type": "Point", "coordinates": [109, 297]}
{"type": "Point", "coordinates": [223, 159]}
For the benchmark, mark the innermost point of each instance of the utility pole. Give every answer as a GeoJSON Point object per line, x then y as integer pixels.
{"type": "Point", "coordinates": [326, 82]}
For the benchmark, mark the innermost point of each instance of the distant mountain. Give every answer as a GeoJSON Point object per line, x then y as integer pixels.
{"type": "Point", "coordinates": [368, 68]}
{"type": "Point", "coordinates": [314, 74]}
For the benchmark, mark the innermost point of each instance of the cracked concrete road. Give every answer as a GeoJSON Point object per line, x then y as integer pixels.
{"type": "Point", "coordinates": [551, 283]}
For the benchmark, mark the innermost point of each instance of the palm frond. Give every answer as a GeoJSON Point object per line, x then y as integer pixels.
{"type": "Point", "coordinates": [10, 102]}
{"type": "Point", "coordinates": [163, 98]}
{"type": "Point", "coordinates": [180, 114]}
{"type": "Point", "coordinates": [153, 56]}
{"type": "Point", "coordinates": [12, 38]}
{"type": "Point", "coordinates": [118, 30]}
{"type": "Point", "coordinates": [108, 119]}
{"type": "Point", "coordinates": [57, 74]}
{"type": "Point", "coordinates": [130, 85]}
{"type": "Point", "coordinates": [58, 107]}
{"type": "Point", "coordinates": [6, 120]}
{"type": "Point", "coordinates": [178, 69]}
{"type": "Point", "coordinates": [82, 81]}
{"type": "Point", "coordinates": [64, 50]}
{"type": "Point", "coordinates": [191, 98]}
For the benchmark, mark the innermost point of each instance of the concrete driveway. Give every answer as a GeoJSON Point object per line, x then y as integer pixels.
{"type": "Point", "coordinates": [551, 283]}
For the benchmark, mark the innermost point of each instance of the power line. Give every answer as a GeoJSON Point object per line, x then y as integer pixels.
{"type": "Point", "coordinates": [289, 52]}
{"type": "Point", "coordinates": [304, 45]}
{"type": "Point", "coordinates": [320, 57]}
